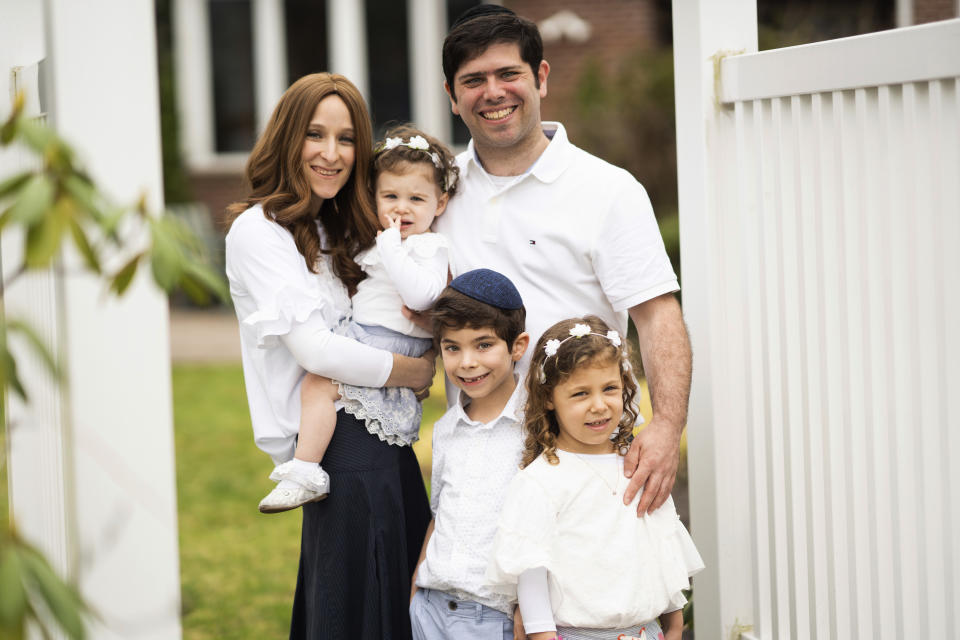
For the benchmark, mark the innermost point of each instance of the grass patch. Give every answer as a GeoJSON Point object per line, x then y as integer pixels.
{"type": "Point", "coordinates": [238, 567]}
{"type": "Point", "coordinates": [4, 488]}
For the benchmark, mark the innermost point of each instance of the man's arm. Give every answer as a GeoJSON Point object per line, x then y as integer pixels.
{"type": "Point", "coordinates": [652, 460]}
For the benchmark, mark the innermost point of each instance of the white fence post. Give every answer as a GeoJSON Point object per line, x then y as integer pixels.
{"type": "Point", "coordinates": [92, 466]}
{"type": "Point", "coordinates": [819, 211]}
{"type": "Point", "coordinates": [717, 462]}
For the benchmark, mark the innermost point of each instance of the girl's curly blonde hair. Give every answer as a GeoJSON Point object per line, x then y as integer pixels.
{"type": "Point", "coordinates": [540, 424]}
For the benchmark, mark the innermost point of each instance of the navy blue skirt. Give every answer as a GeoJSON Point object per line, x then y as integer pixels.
{"type": "Point", "coordinates": [360, 546]}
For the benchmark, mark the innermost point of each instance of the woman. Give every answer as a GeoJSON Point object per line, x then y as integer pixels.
{"type": "Point", "coordinates": [290, 265]}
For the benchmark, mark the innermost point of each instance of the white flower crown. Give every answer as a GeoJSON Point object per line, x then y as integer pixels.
{"type": "Point", "coordinates": [578, 331]}
{"type": "Point", "coordinates": [419, 143]}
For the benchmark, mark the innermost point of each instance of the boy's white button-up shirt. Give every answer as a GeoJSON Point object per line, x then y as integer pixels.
{"type": "Point", "coordinates": [575, 234]}
{"type": "Point", "coordinates": [473, 464]}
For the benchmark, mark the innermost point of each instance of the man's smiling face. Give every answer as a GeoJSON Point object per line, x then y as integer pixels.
{"type": "Point", "coordinates": [498, 97]}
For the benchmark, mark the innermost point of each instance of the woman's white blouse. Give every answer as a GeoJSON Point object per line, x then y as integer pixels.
{"type": "Point", "coordinates": [273, 291]}
{"type": "Point", "coordinates": [607, 568]}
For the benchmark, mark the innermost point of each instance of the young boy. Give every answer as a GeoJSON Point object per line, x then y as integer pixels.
{"type": "Point", "coordinates": [478, 322]}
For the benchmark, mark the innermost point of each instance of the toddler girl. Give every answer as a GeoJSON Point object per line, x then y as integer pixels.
{"type": "Point", "coordinates": [583, 563]}
{"type": "Point", "coordinates": [414, 177]}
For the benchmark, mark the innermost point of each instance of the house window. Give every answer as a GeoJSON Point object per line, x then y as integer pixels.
{"type": "Point", "coordinates": [306, 28]}
{"type": "Point", "coordinates": [388, 60]}
{"type": "Point", "coordinates": [231, 43]}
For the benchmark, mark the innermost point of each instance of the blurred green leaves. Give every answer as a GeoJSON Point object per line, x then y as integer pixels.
{"type": "Point", "coordinates": [54, 204]}
{"type": "Point", "coordinates": [58, 201]}
{"type": "Point", "coordinates": [33, 593]}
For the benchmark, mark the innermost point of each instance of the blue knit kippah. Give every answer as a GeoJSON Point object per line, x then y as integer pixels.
{"type": "Point", "coordinates": [488, 286]}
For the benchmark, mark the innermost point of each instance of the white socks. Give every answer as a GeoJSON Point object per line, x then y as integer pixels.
{"type": "Point", "coordinates": [298, 468]}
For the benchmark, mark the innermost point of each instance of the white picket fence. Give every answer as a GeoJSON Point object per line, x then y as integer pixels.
{"type": "Point", "coordinates": [820, 235]}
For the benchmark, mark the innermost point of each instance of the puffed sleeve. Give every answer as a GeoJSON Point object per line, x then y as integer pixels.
{"type": "Point", "coordinates": [680, 555]}
{"type": "Point", "coordinates": [525, 532]}
{"type": "Point", "coordinates": [270, 281]}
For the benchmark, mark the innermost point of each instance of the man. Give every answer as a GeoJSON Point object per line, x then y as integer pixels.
{"type": "Point", "coordinates": [575, 234]}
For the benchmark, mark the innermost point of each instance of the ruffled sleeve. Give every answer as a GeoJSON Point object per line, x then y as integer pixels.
{"type": "Point", "coordinates": [525, 535]}
{"type": "Point", "coordinates": [680, 558]}
{"type": "Point", "coordinates": [270, 281]}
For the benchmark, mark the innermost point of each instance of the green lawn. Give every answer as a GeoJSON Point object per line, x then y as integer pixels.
{"type": "Point", "coordinates": [238, 567]}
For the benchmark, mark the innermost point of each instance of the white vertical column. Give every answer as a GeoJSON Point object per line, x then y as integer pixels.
{"type": "Point", "coordinates": [427, 20]}
{"type": "Point", "coordinates": [93, 475]}
{"type": "Point", "coordinates": [194, 78]}
{"type": "Point", "coordinates": [35, 432]}
{"type": "Point", "coordinates": [347, 33]}
{"type": "Point", "coordinates": [269, 57]}
{"type": "Point", "coordinates": [904, 13]}
{"type": "Point", "coordinates": [717, 452]}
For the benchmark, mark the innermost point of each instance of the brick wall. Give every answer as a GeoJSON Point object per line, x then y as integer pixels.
{"type": "Point", "coordinates": [933, 10]}
{"type": "Point", "coordinates": [617, 28]}
{"type": "Point", "coordinates": [216, 191]}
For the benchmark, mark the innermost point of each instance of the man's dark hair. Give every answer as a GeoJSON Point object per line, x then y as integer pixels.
{"type": "Point", "coordinates": [484, 25]}
{"type": "Point", "coordinates": [454, 310]}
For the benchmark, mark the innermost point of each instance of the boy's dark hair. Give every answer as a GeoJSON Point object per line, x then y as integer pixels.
{"type": "Point", "coordinates": [454, 310]}
{"type": "Point", "coordinates": [480, 27]}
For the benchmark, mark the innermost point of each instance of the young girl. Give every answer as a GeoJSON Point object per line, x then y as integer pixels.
{"type": "Point", "coordinates": [584, 565]}
{"type": "Point", "coordinates": [414, 177]}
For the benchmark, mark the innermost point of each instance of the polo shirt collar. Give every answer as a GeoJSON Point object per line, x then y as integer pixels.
{"type": "Point", "coordinates": [512, 411]}
{"type": "Point", "coordinates": [551, 163]}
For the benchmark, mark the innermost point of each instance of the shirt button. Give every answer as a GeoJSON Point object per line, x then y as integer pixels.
{"type": "Point", "coordinates": [452, 605]}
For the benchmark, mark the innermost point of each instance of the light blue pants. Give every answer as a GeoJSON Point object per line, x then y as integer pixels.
{"type": "Point", "coordinates": [434, 615]}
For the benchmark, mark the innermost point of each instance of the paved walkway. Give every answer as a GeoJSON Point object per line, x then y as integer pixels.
{"type": "Point", "coordinates": [204, 336]}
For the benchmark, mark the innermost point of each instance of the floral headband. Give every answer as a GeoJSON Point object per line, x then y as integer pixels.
{"type": "Point", "coordinates": [578, 331]}
{"type": "Point", "coordinates": [419, 143]}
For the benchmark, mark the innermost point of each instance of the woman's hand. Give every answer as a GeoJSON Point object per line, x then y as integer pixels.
{"type": "Point", "coordinates": [416, 373]}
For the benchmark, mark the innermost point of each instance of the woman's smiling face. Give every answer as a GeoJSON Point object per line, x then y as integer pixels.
{"type": "Point", "coordinates": [329, 149]}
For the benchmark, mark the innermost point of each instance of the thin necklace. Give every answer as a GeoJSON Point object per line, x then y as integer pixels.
{"type": "Point", "coordinates": [616, 482]}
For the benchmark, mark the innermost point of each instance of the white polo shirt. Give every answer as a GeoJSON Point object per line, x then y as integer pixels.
{"type": "Point", "coordinates": [575, 234]}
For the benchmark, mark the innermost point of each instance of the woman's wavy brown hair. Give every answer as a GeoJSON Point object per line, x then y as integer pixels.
{"type": "Point", "coordinates": [277, 181]}
{"type": "Point", "coordinates": [540, 424]}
